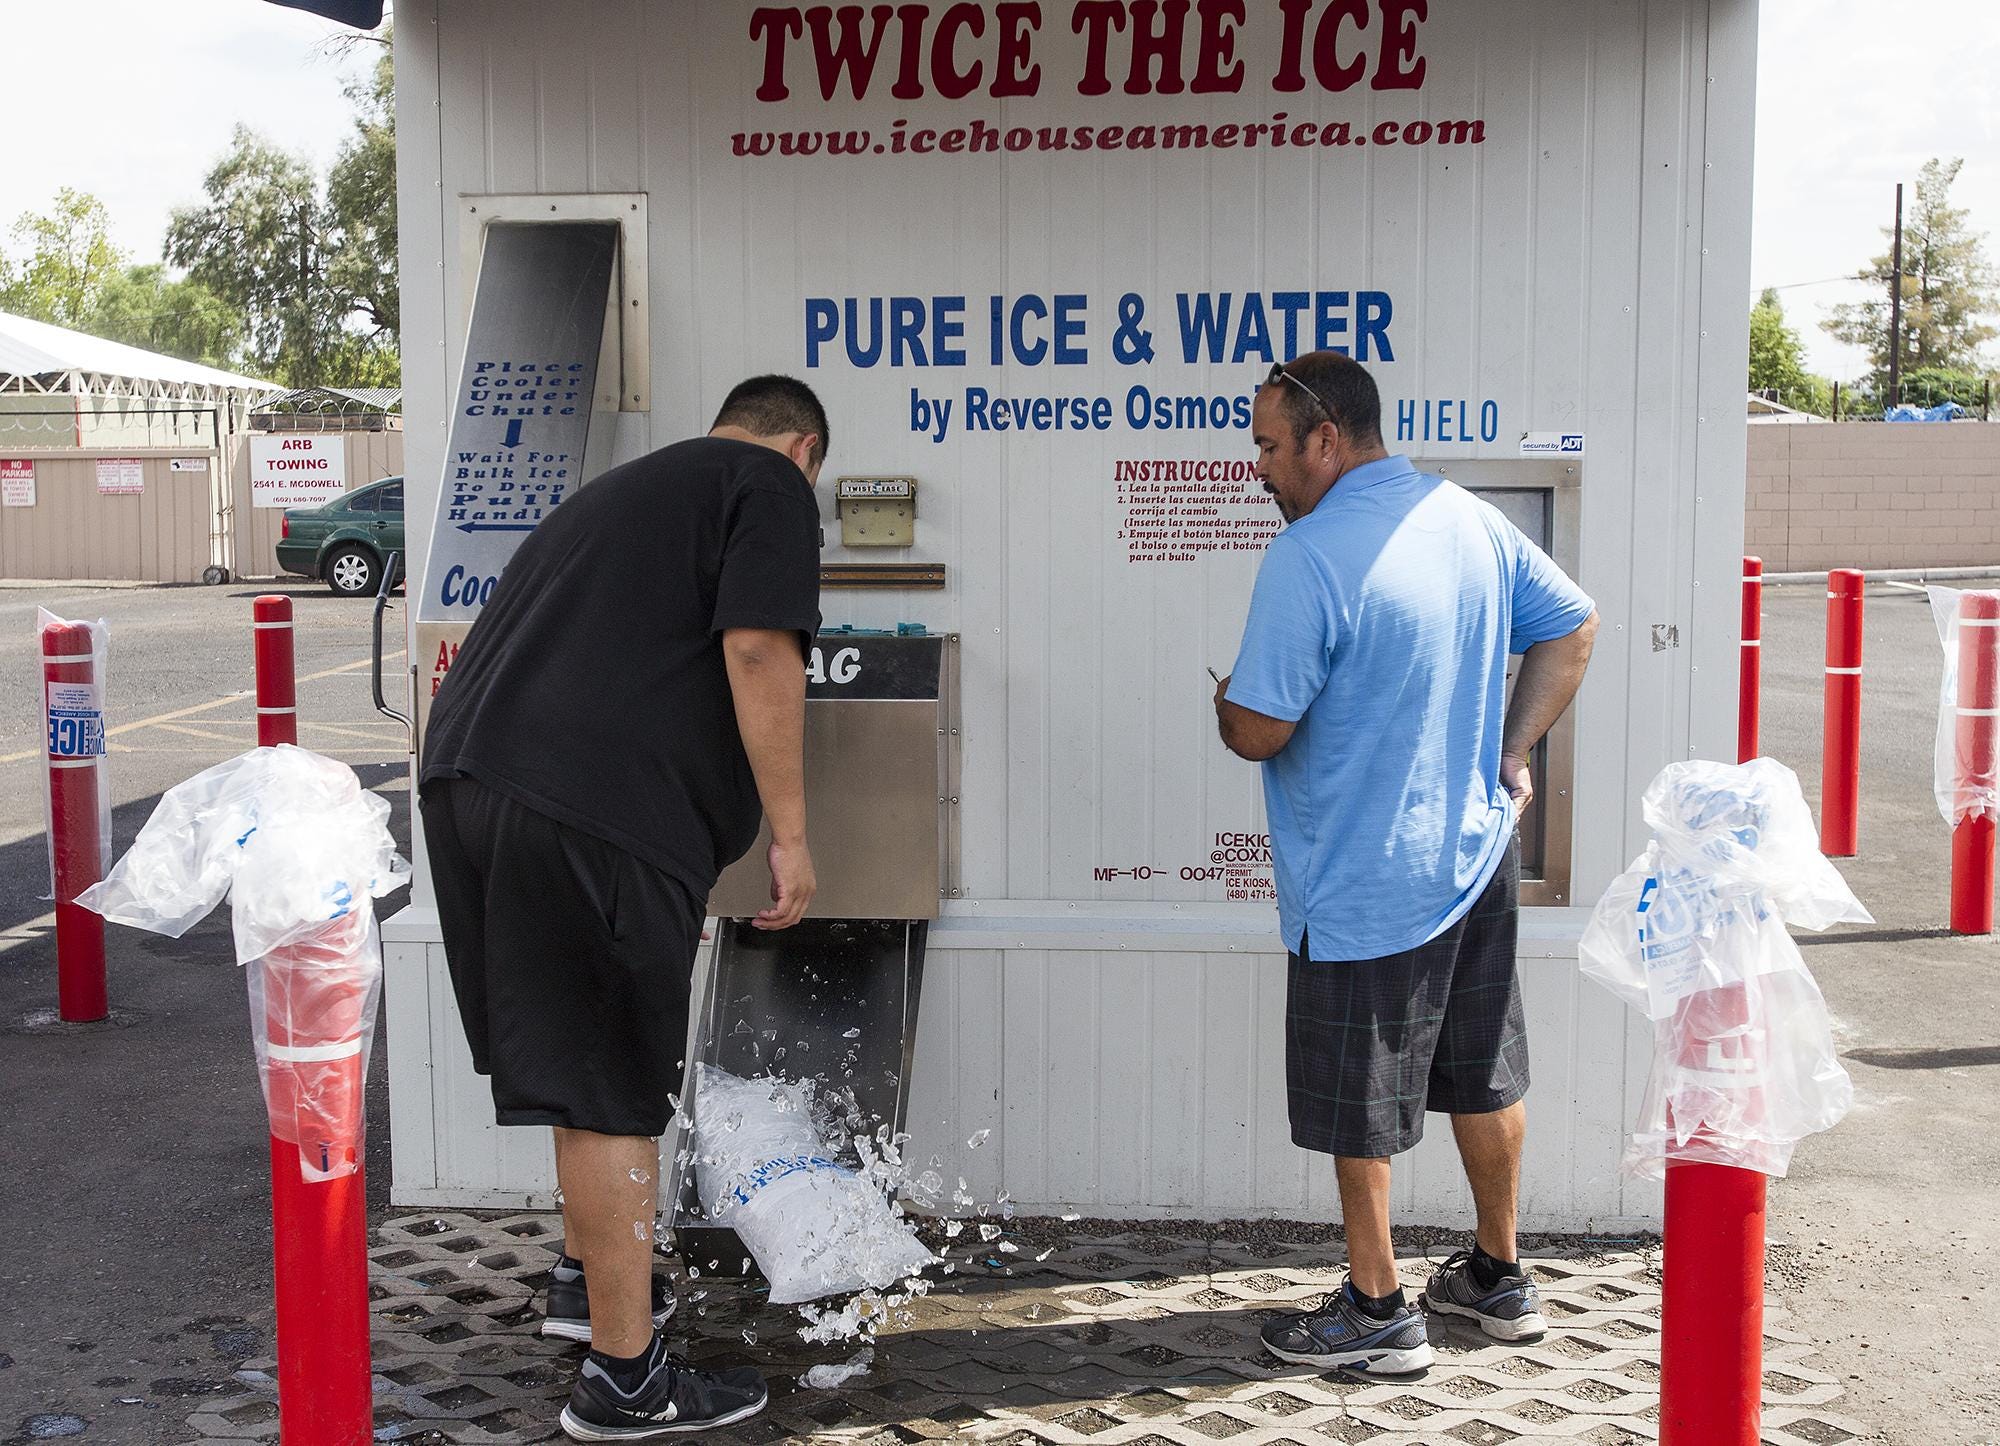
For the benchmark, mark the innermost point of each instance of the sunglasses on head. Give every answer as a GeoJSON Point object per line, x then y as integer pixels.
{"type": "Point", "coordinates": [1278, 373]}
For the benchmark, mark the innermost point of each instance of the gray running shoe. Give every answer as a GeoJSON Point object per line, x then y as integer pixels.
{"type": "Point", "coordinates": [1511, 1311]}
{"type": "Point", "coordinates": [1340, 1333]}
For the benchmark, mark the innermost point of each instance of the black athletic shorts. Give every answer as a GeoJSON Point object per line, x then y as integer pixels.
{"type": "Point", "coordinates": [571, 960]}
{"type": "Point", "coordinates": [1371, 1044]}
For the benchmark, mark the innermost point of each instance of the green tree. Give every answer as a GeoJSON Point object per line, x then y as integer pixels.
{"type": "Point", "coordinates": [69, 261]}
{"type": "Point", "coordinates": [1947, 287]}
{"type": "Point", "coordinates": [1932, 386]}
{"type": "Point", "coordinates": [142, 306]}
{"type": "Point", "coordinates": [361, 193]}
{"type": "Point", "coordinates": [263, 244]}
{"type": "Point", "coordinates": [1777, 360]}
{"type": "Point", "coordinates": [1777, 356]}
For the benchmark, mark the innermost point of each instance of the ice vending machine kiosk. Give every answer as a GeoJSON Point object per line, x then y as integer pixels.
{"type": "Point", "coordinates": [835, 997]}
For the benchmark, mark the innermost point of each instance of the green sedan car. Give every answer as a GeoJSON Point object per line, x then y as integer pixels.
{"type": "Point", "coordinates": [344, 542]}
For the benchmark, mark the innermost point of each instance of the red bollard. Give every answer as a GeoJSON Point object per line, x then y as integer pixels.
{"type": "Point", "coordinates": [1840, 755]}
{"type": "Point", "coordinates": [1750, 672]}
{"type": "Point", "coordinates": [319, 1227]}
{"type": "Point", "coordinates": [277, 692]}
{"type": "Point", "coordinates": [312, 1085]}
{"type": "Point", "coordinates": [1712, 1306]}
{"type": "Point", "coordinates": [75, 716]}
{"type": "Point", "coordinates": [1712, 1297]}
{"type": "Point", "coordinates": [1978, 761]}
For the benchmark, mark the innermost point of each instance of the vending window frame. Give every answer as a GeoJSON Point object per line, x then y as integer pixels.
{"type": "Point", "coordinates": [1558, 482]}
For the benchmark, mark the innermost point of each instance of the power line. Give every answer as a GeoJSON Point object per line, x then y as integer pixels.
{"type": "Point", "coordinates": [1823, 281]}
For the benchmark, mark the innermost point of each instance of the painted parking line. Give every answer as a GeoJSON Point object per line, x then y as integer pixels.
{"type": "Point", "coordinates": [210, 706]}
{"type": "Point", "coordinates": [31, 932]}
{"type": "Point", "coordinates": [378, 756]}
{"type": "Point", "coordinates": [183, 729]}
{"type": "Point", "coordinates": [347, 730]}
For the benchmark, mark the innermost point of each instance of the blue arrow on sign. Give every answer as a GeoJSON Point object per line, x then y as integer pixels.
{"type": "Point", "coordinates": [496, 527]}
{"type": "Point", "coordinates": [513, 433]}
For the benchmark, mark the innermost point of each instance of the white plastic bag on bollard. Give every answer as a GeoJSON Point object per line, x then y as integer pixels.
{"type": "Point", "coordinates": [1966, 786]}
{"type": "Point", "coordinates": [1693, 935]}
{"type": "Point", "coordinates": [302, 851]}
{"type": "Point", "coordinates": [815, 1227]}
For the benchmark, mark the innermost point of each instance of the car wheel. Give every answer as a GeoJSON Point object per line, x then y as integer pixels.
{"type": "Point", "coordinates": [353, 572]}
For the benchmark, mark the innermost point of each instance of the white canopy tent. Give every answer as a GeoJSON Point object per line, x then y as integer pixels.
{"type": "Point", "coordinates": [38, 359]}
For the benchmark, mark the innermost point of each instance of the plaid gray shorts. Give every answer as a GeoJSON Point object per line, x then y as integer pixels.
{"type": "Point", "coordinates": [1371, 1044]}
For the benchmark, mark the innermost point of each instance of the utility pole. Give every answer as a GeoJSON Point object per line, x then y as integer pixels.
{"type": "Point", "coordinates": [1896, 309]}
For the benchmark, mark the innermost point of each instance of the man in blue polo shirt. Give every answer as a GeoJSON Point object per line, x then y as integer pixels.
{"type": "Point", "coordinates": [1371, 686]}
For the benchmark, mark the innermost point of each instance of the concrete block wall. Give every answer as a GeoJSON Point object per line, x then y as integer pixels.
{"type": "Point", "coordinates": [1873, 495]}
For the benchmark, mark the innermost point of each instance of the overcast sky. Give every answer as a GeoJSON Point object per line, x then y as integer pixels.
{"type": "Point", "coordinates": [1848, 105]}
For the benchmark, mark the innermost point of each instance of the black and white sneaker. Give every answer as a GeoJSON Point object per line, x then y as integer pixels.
{"type": "Point", "coordinates": [1511, 1311]}
{"type": "Point", "coordinates": [675, 1398]}
{"type": "Point", "coordinates": [568, 1314]}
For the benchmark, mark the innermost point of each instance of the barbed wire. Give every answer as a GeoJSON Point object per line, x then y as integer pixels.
{"type": "Point", "coordinates": [1857, 403]}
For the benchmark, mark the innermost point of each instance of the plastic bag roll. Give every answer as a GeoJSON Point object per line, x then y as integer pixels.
{"type": "Point", "coordinates": [302, 851]}
{"type": "Point", "coordinates": [1966, 771]}
{"type": "Point", "coordinates": [1694, 935]}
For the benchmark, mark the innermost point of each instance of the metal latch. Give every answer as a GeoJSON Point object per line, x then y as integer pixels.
{"type": "Point", "coordinates": [876, 511]}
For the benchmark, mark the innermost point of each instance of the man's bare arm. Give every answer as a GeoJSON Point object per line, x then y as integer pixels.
{"type": "Point", "coordinates": [1246, 732]}
{"type": "Point", "coordinates": [767, 681]}
{"type": "Point", "coordinates": [1551, 673]}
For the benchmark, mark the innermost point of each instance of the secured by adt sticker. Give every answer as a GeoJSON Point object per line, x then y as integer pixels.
{"type": "Point", "coordinates": [1552, 444]}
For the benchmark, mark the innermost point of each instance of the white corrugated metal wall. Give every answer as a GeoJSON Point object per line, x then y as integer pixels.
{"type": "Point", "coordinates": [1583, 267]}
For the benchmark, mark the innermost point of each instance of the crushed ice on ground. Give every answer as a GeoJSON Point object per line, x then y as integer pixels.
{"type": "Point", "coordinates": [977, 1140]}
{"type": "Point", "coordinates": [826, 1378]}
{"type": "Point", "coordinates": [852, 1034]}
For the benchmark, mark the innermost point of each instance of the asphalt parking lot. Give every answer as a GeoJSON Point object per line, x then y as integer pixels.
{"type": "Point", "coordinates": [132, 1157]}
{"type": "Point", "coordinates": [132, 1154]}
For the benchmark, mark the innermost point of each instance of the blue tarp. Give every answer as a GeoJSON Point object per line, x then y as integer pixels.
{"type": "Point", "coordinates": [1943, 412]}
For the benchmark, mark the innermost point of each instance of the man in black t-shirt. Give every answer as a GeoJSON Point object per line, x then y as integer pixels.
{"type": "Point", "coordinates": [631, 697]}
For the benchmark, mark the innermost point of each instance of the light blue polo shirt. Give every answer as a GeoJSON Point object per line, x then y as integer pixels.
{"type": "Point", "coordinates": [1381, 624]}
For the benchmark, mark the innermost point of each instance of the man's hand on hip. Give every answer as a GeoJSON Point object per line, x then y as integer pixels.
{"type": "Point", "coordinates": [792, 886]}
{"type": "Point", "coordinates": [1515, 778]}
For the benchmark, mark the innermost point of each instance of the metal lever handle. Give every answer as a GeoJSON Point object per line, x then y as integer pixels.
{"type": "Point", "coordinates": [392, 568]}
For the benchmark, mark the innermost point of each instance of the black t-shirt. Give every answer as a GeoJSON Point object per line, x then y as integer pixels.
{"type": "Point", "coordinates": [592, 688]}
